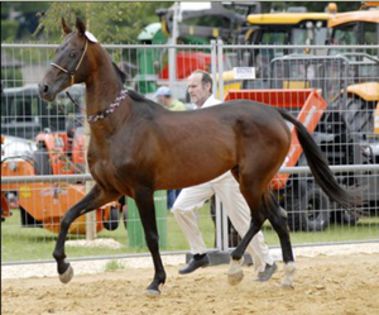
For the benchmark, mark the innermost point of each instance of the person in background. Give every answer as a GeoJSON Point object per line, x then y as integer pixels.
{"type": "Point", "coordinates": [164, 97]}
{"type": "Point", "coordinates": [227, 189]}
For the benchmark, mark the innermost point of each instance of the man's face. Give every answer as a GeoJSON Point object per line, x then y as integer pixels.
{"type": "Point", "coordinates": [164, 100]}
{"type": "Point", "coordinates": [198, 92]}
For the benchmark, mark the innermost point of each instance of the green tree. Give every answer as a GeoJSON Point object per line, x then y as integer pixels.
{"type": "Point", "coordinates": [112, 22]}
{"type": "Point", "coordinates": [20, 19]}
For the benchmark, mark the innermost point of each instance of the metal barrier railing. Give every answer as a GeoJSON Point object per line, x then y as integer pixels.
{"type": "Point", "coordinates": [147, 67]}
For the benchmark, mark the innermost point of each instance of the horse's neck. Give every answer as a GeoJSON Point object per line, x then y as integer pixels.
{"type": "Point", "coordinates": [102, 89]}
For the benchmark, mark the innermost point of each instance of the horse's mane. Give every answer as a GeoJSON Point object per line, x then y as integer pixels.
{"type": "Point", "coordinates": [121, 74]}
{"type": "Point", "coordinates": [151, 106]}
{"type": "Point", "coordinates": [140, 98]}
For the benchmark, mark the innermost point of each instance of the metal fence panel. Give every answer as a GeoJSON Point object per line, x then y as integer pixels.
{"type": "Point", "coordinates": [345, 133]}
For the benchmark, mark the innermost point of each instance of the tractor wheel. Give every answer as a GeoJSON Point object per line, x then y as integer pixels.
{"type": "Point", "coordinates": [42, 162]}
{"type": "Point", "coordinates": [114, 217]}
{"type": "Point", "coordinates": [308, 209]}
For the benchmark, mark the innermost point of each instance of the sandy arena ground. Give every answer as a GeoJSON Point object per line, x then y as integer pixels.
{"type": "Point", "coordinates": [338, 284]}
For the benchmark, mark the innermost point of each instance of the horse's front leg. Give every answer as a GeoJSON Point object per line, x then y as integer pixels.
{"type": "Point", "coordinates": [93, 200]}
{"type": "Point", "coordinates": [145, 202]}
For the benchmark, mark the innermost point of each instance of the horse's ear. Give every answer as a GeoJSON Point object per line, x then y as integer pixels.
{"type": "Point", "coordinates": [66, 29]}
{"type": "Point", "coordinates": [80, 26]}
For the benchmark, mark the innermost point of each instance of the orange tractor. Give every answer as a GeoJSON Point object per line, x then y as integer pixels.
{"type": "Point", "coordinates": [43, 203]}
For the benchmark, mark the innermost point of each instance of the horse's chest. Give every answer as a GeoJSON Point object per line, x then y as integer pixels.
{"type": "Point", "coordinates": [103, 172]}
{"type": "Point", "coordinates": [109, 174]}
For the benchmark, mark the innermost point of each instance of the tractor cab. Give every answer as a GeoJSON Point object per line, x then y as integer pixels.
{"type": "Point", "coordinates": [295, 27]}
{"type": "Point", "coordinates": [361, 28]}
{"type": "Point", "coordinates": [355, 28]}
{"type": "Point", "coordinates": [287, 28]}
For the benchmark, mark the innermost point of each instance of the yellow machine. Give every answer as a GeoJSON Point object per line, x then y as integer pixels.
{"type": "Point", "coordinates": [360, 28]}
{"type": "Point", "coordinates": [285, 28]}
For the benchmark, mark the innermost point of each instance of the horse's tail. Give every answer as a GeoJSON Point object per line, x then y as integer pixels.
{"type": "Point", "coordinates": [319, 166]}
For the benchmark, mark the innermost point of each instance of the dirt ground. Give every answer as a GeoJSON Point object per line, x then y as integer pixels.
{"type": "Point", "coordinates": [324, 285]}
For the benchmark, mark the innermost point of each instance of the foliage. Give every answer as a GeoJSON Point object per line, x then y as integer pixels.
{"type": "Point", "coordinates": [8, 29]}
{"type": "Point", "coordinates": [121, 22]}
{"type": "Point", "coordinates": [19, 20]}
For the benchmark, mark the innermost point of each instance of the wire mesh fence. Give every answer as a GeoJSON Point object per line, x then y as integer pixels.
{"type": "Point", "coordinates": [334, 93]}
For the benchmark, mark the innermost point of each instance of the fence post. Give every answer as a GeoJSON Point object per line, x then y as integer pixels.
{"type": "Point", "coordinates": [220, 68]}
{"type": "Point", "coordinates": [90, 216]}
{"type": "Point", "coordinates": [172, 51]}
{"type": "Point", "coordinates": [214, 66]}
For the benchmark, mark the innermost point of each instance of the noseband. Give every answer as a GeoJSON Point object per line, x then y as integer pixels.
{"type": "Point", "coordinates": [72, 73]}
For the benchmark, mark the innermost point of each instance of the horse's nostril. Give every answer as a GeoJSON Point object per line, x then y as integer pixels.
{"type": "Point", "coordinates": [45, 88]}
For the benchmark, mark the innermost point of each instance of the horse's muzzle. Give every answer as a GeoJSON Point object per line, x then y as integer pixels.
{"type": "Point", "coordinates": [45, 92]}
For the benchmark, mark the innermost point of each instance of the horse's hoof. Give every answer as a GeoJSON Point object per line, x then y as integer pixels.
{"type": "Point", "coordinates": [151, 293]}
{"type": "Point", "coordinates": [235, 272]}
{"type": "Point", "coordinates": [287, 284]}
{"type": "Point", "coordinates": [235, 278]}
{"type": "Point", "coordinates": [67, 275]}
{"type": "Point", "coordinates": [289, 271]}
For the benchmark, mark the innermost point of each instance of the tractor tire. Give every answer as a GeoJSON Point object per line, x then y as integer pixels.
{"type": "Point", "coordinates": [42, 163]}
{"type": "Point", "coordinates": [114, 217]}
{"type": "Point", "coordinates": [308, 209]}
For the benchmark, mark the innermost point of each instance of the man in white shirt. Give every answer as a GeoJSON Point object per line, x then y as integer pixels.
{"type": "Point", "coordinates": [227, 190]}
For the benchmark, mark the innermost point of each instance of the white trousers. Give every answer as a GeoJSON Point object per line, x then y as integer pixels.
{"type": "Point", "coordinates": [227, 190]}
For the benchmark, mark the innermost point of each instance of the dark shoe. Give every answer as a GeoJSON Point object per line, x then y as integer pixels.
{"type": "Point", "coordinates": [196, 262]}
{"type": "Point", "coordinates": [267, 273]}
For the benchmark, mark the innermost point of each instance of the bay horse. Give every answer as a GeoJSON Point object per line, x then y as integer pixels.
{"type": "Point", "coordinates": [137, 146]}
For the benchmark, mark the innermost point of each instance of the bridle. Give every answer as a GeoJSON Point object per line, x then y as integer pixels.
{"type": "Point", "coordinates": [101, 114]}
{"type": "Point", "coordinates": [72, 73]}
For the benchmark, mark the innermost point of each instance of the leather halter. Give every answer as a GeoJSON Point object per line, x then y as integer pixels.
{"type": "Point", "coordinates": [72, 73]}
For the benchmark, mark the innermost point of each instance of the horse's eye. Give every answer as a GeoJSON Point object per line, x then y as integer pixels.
{"type": "Point", "coordinates": [72, 54]}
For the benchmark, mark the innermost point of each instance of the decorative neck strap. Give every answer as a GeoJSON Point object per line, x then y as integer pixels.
{"type": "Point", "coordinates": [109, 110]}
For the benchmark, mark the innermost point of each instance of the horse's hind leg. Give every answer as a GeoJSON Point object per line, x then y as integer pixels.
{"type": "Point", "coordinates": [145, 202]}
{"type": "Point", "coordinates": [235, 273]}
{"type": "Point", "coordinates": [93, 200]}
{"type": "Point", "coordinates": [278, 221]}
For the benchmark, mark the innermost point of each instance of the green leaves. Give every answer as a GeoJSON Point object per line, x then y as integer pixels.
{"type": "Point", "coordinates": [112, 22]}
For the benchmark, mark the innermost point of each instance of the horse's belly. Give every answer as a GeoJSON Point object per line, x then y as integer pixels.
{"type": "Point", "coordinates": [186, 177]}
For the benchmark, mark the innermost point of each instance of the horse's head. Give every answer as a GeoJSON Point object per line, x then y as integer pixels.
{"type": "Point", "coordinates": [71, 62]}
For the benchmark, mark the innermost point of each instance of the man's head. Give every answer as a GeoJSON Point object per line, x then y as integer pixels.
{"type": "Point", "coordinates": [163, 95]}
{"type": "Point", "coordinates": [199, 87]}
